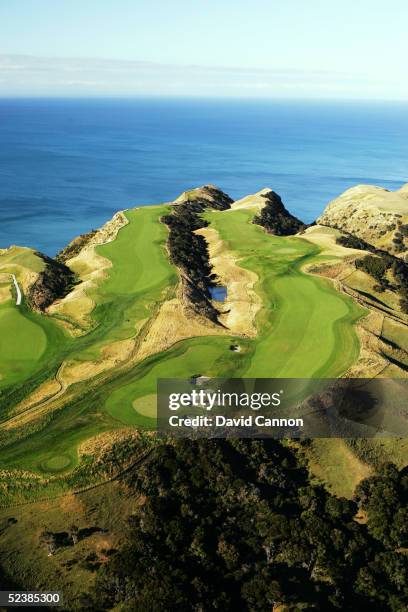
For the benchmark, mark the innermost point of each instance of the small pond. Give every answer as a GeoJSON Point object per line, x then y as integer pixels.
{"type": "Point", "coordinates": [219, 294]}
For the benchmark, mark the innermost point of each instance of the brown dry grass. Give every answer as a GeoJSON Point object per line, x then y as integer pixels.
{"type": "Point", "coordinates": [242, 302]}
{"type": "Point", "coordinates": [174, 322]}
{"type": "Point", "coordinates": [48, 389]}
{"type": "Point", "coordinates": [103, 442]}
{"type": "Point", "coordinates": [252, 202]}
{"type": "Point", "coordinates": [111, 356]}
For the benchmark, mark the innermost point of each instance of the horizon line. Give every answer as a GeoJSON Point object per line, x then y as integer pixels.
{"type": "Point", "coordinates": [198, 97]}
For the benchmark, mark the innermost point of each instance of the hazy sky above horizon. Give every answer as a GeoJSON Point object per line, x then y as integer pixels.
{"type": "Point", "coordinates": [264, 48]}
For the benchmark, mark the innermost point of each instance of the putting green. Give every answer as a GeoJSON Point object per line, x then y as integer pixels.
{"type": "Point", "coordinates": [186, 359]}
{"type": "Point", "coordinates": [22, 343]}
{"type": "Point", "coordinates": [57, 463]}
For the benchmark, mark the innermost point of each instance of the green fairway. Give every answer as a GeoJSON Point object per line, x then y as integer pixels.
{"type": "Point", "coordinates": [136, 282]}
{"type": "Point", "coordinates": [306, 328]}
{"type": "Point", "coordinates": [139, 261]}
{"type": "Point", "coordinates": [305, 325]}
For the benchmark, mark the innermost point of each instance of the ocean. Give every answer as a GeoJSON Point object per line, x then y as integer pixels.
{"type": "Point", "coordinates": [67, 165]}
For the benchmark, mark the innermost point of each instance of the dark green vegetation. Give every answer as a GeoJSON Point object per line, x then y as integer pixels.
{"type": "Point", "coordinates": [377, 267]}
{"type": "Point", "coordinates": [399, 236]}
{"type": "Point", "coordinates": [276, 219]}
{"type": "Point", "coordinates": [237, 525]}
{"type": "Point", "coordinates": [352, 242]}
{"type": "Point", "coordinates": [54, 282]}
{"type": "Point", "coordinates": [389, 271]}
{"type": "Point", "coordinates": [189, 251]}
{"type": "Point", "coordinates": [384, 498]}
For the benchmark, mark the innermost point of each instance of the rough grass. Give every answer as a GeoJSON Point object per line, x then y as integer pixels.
{"type": "Point", "coordinates": [22, 343]}
{"type": "Point", "coordinates": [21, 256]}
{"type": "Point", "coordinates": [26, 560]}
{"type": "Point", "coordinates": [332, 461]}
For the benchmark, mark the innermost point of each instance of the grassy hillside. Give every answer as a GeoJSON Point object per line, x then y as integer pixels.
{"type": "Point", "coordinates": [104, 378]}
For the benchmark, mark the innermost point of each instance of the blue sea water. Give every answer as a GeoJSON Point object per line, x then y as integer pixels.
{"type": "Point", "coordinates": [67, 165]}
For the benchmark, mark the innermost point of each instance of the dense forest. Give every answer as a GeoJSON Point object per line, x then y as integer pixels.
{"type": "Point", "coordinates": [276, 219]}
{"type": "Point", "coordinates": [238, 525]}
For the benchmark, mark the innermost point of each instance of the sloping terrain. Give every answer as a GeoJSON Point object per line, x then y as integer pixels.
{"type": "Point", "coordinates": [78, 380]}
{"type": "Point", "coordinates": [378, 216]}
{"type": "Point", "coordinates": [142, 308]}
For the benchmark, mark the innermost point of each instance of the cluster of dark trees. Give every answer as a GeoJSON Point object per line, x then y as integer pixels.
{"type": "Point", "coordinates": [53, 541]}
{"type": "Point", "coordinates": [189, 251]}
{"type": "Point", "coordinates": [276, 219]}
{"type": "Point", "coordinates": [378, 267]}
{"type": "Point", "coordinates": [348, 240]}
{"type": "Point", "coordinates": [53, 283]}
{"type": "Point", "coordinates": [379, 264]}
{"type": "Point", "coordinates": [352, 242]}
{"type": "Point", "coordinates": [237, 525]}
{"type": "Point", "coordinates": [398, 238]}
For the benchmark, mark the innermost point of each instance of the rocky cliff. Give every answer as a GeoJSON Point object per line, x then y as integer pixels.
{"type": "Point", "coordinates": [374, 214]}
{"type": "Point", "coordinates": [275, 218]}
{"type": "Point", "coordinates": [54, 282]}
{"type": "Point", "coordinates": [189, 250]}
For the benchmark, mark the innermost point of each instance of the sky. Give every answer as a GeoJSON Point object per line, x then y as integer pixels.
{"type": "Point", "coordinates": [340, 49]}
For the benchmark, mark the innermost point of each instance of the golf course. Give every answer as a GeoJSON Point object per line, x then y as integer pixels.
{"type": "Point", "coordinates": [307, 326]}
{"type": "Point", "coordinates": [139, 330]}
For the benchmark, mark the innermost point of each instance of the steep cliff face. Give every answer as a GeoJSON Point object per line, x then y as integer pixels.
{"type": "Point", "coordinates": [189, 251]}
{"type": "Point", "coordinates": [208, 196]}
{"type": "Point", "coordinates": [54, 282]}
{"type": "Point", "coordinates": [75, 246]}
{"type": "Point", "coordinates": [275, 218]}
{"type": "Point", "coordinates": [378, 216]}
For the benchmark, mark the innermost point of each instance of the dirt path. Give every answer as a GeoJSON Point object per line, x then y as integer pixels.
{"type": "Point", "coordinates": [18, 290]}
